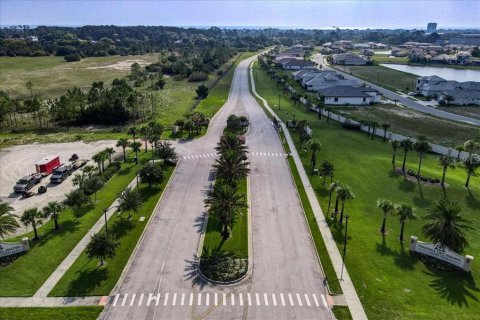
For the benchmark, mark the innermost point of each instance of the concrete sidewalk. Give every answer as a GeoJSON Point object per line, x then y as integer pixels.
{"type": "Point", "coordinates": [52, 302]}
{"type": "Point", "coordinates": [75, 253]}
{"type": "Point", "coordinates": [349, 292]}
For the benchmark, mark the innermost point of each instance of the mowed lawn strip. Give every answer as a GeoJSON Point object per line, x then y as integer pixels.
{"type": "Point", "coordinates": [390, 282]}
{"type": "Point", "coordinates": [238, 241]}
{"type": "Point", "coordinates": [85, 277]}
{"type": "Point", "coordinates": [341, 313]}
{"type": "Point", "coordinates": [27, 274]}
{"type": "Point", "coordinates": [61, 313]}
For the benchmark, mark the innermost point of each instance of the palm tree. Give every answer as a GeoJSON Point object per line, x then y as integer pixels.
{"type": "Point", "coordinates": [387, 207]}
{"type": "Point", "coordinates": [459, 148]}
{"type": "Point", "coordinates": [315, 146]}
{"type": "Point", "coordinates": [446, 162]}
{"type": "Point", "coordinates": [231, 167]}
{"type": "Point", "coordinates": [385, 127]}
{"type": "Point", "coordinates": [333, 187]}
{"type": "Point", "coordinates": [405, 212]}
{"type": "Point", "coordinates": [136, 148]}
{"type": "Point", "coordinates": [407, 146]}
{"type": "Point", "coordinates": [421, 146]}
{"type": "Point", "coordinates": [395, 144]}
{"type": "Point", "coordinates": [374, 126]}
{"type": "Point", "coordinates": [326, 170]}
{"type": "Point", "coordinates": [338, 187]}
{"type": "Point", "coordinates": [109, 152]}
{"type": "Point", "coordinates": [133, 131]}
{"type": "Point", "coordinates": [447, 226]}
{"type": "Point", "coordinates": [224, 203]}
{"type": "Point", "coordinates": [29, 86]}
{"type": "Point", "coordinates": [471, 164]}
{"type": "Point", "coordinates": [129, 200]}
{"type": "Point", "coordinates": [301, 130]}
{"type": "Point", "coordinates": [189, 127]}
{"type": "Point", "coordinates": [231, 141]}
{"type": "Point", "coordinates": [345, 194]}
{"type": "Point", "coordinates": [470, 146]}
{"type": "Point", "coordinates": [8, 223]}
{"type": "Point", "coordinates": [52, 210]}
{"type": "Point", "coordinates": [78, 180]}
{"type": "Point", "coordinates": [198, 119]}
{"type": "Point", "coordinates": [144, 131]}
{"type": "Point", "coordinates": [102, 247]}
{"type": "Point", "coordinates": [88, 170]}
{"type": "Point", "coordinates": [123, 142]}
{"type": "Point", "coordinates": [32, 217]}
{"type": "Point", "coordinates": [98, 158]}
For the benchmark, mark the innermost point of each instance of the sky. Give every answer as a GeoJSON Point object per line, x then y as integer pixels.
{"type": "Point", "coordinates": [273, 13]}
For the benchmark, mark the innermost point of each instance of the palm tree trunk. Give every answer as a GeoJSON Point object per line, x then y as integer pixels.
{"type": "Point", "coordinates": [384, 135]}
{"type": "Point", "coordinates": [101, 261]}
{"type": "Point", "coordinates": [109, 160]}
{"type": "Point", "coordinates": [394, 154]}
{"type": "Point", "coordinates": [468, 179]}
{"type": "Point", "coordinates": [443, 176]}
{"type": "Point", "coordinates": [382, 230]}
{"type": "Point", "coordinates": [136, 156]}
{"type": "Point", "coordinates": [401, 231]}
{"type": "Point", "coordinates": [55, 220]}
{"type": "Point", "coordinates": [329, 200]}
{"type": "Point", "coordinates": [35, 232]}
{"type": "Point", "coordinates": [419, 165]}
{"type": "Point", "coordinates": [458, 155]}
{"type": "Point", "coordinates": [145, 143]}
{"type": "Point", "coordinates": [324, 178]}
{"type": "Point", "coordinates": [341, 212]}
{"type": "Point", "coordinates": [124, 155]}
{"type": "Point", "coordinates": [404, 162]}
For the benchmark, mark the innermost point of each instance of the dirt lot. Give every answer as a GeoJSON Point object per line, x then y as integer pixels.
{"type": "Point", "coordinates": [18, 161]}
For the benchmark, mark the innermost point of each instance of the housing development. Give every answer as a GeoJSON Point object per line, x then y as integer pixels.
{"type": "Point", "coordinates": [183, 160]}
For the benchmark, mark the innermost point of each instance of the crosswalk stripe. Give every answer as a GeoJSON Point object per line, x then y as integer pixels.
{"type": "Point", "coordinates": [232, 296]}
{"type": "Point", "coordinates": [282, 299]}
{"type": "Point", "coordinates": [266, 299]}
{"type": "Point", "coordinates": [182, 300]}
{"type": "Point", "coordinates": [249, 299]}
{"type": "Point", "coordinates": [290, 298]}
{"type": "Point", "coordinates": [216, 299]}
{"type": "Point", "coordinates": [315, 299]}
{"type": "Point", "coordinates": [257, 298]}
{"type": "Point", "coordinates": [324, 301]}
{"type": "Point", "coordinates": [207, 300]}
{"type": "Point", "coordinates": [307, 300]}
{"type": "Point", "coordinates": [199, 297]}
{"type": "Point", "coordinates": [299, 300]}
{"type": "Point", "coordinates": [224, 299]}
{"type": "Point", "coordinates": [133, 299]}
{"type": "Point", "coordinates": [165, 301]}
{"type": "Point", "coordinates": [274, 299]}
{"type": "Point", "coordinates": [174, 299]}
{"type": "Point", "coordinates": [240, 298]}
{"type": "Point", "coordinates": [140, 300]}
{"type": "Point", "coordinates": [190, 302]}
{"type": "Point", "coordinates": [124, 299]}
{"type": "Point", "coordinates": [115, 300]}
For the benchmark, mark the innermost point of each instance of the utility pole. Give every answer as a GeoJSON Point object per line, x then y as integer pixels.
{"type": "Point", "coordinates": [344, 246]}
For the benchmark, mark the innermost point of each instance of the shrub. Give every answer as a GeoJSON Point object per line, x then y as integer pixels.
{"type": "Point", "coordinates": [198, 76]}
{"type": "Point", "coordinates": [72, 57]}
{"type": "Point", "coordinates": [202, 91]}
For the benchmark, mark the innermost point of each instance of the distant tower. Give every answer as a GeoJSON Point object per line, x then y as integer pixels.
{"type": "Point", "coordinates": [432, 27]}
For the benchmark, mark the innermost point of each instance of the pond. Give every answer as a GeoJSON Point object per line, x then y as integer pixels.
{"type": "Point", "coordinates": [445, 73]}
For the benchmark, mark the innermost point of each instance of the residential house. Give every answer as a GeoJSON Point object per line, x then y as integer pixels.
{"type": "Point", "coordinates": [348, 59]}
{"type": "Point", "coordinates": [345, 95]}
{"type": "Point", "coordinates": [298, 75]}
{"type": "Point", "coordinates": [296, 64]}
{"type": "Point", "coordinates": [428, 80]}
{"type": "Point", "coordinates": [327, 79]}
{"type": "Point", "coordinates": [460, 97]}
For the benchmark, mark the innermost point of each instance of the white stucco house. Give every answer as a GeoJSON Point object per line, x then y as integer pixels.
{"type": "Point", "coordinates": [346, 95]}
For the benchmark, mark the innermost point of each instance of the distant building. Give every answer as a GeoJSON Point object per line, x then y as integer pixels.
{"type": "Point", "coordinates": [296, 64]}
{"type": "Point", "coordinates": [349, 95]}
{"type": "Point", "coordinates": [348, 59]}
{"type": "Point", "coordinates": [472, 39]}
{"type": "Point", "coordinates": [432, 27]}
{"type": "Point", "coordinates": [31, 38]}
{"type": "Point", "coordinates": [449, 92]}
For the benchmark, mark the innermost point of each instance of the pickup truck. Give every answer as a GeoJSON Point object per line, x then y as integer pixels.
{"type": "Point", "coordinates": [27, 182]}
{"type": "Point", "coordinates": [61, 173]}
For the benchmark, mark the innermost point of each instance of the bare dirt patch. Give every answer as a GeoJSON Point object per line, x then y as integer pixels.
{"type": "Point", "coordinates": [121, 65]}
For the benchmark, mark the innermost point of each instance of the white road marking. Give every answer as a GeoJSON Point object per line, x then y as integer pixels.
{"type": "Point", "coordinates": [216, 299]}
{"type": "Point", "coordinates": [165, 301]}
{"type": "Point", "coordinates": [191, 299]}
{"type": "Point", "coordinates": [224, 299]}
{"type": "Point", "coordinates": [299, 299]}
{"type": "Point", "coordinates": [182, 300]}
{"type": "Point", "coordinates": [240, 298]}
{"type": "Point", "coordinates": [232, 296]}
{"type": "Point", "coordinates": [199, 296]}
{"type": "Point", "coordinates": [115, 300]}
{"type": "Point", "coordinates": [174, 299]}
{"type": "Point", "coordinates": [133, 299]}
{"type": "Point", "coordinates": [152, 297]}
{"type": "Point", "coordinates": [207, 300]}
{"type": "Point", "coordinates": [290, 298]}
{"type": "Point", "coordinates": [274, 299]}
{"type": "Point", "coordinates": [266, 299]}
{"type": "Point", "coordinates": [324, 301]}
{"type": "Point", "coordinates": [282, 299]}
{"type": "Point", "coordinates": [249, 297]}
{"type": "Point", "coordinates": [140, 300]}
{"type": "Point", "coordinates": [315, 299]}
{"type": "Point", "coordinates": [257, 298]}
{"type": "Point", "coordinates": [307, 299]}
{"type": "Point", "coordinates": [184, 158]}
{"type": "Point", "coordinates": [124, 299]}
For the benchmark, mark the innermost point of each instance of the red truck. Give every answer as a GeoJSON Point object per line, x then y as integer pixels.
{"type": "Point", "coordinates": [47, 165]}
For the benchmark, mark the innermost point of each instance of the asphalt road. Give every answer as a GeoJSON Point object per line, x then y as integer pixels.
{"type": "Point", "coordinates": [406, 101]}
{"type": "Point", "coordinates": [286, 282]}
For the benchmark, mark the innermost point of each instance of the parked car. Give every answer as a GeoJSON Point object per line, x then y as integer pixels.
{"type": "Point", "coordinates": [27, 194]}
{"type": "Point", "coordinates": [42, 189]}
{"type": "Point", "coordinates": [74, 157]}
{"type": "Point", "coordinates": [61, 173]}
{"type": "Point", "coordinates": [27, 182]}
{"type": "Point", "coordinates": [77, 164]}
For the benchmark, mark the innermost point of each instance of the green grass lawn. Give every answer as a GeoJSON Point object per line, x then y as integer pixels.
{"type": "Point", "coordinates": [385, 58]}
{"type": "Point", "coordinates": [52, 76]}
{"type": "Point", "coordinates": [27, 274]}
{"type": "Point", "coordinates": [391, 283]}
{"type": "Point", "coordinates": [238, 241]}
{"type": "Point", "coordinates": [467, 111]}
{"type": "Point", "coordinates": [341, 313]}
{"type": "Point", "coordinates": [61, 313]}
{"type": "Point", "coordinates": [85, 277]}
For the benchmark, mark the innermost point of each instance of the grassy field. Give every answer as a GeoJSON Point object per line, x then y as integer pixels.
{"type": "Point", "coordinates": [411, 123]}
{"type": "Point", "coordinates": [391, 283]}
{"type": "Point", "coordinates": [85, 277]}
{"type": "Point", "coordinates": [385, 58]}
{"type": "Point", "coordinates": [468, 111]}
{"type": "Point", "coordinates": [61, 313]}
{"type": "Point", "coordinates": [238, 241]}
{"type": "Point", "coordinates": [52, 76]}
{"type": "Point", "coordinates": [48, 252]}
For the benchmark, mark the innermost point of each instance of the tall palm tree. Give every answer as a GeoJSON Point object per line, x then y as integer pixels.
{"type": "Point", "coordinates": [198, 119]}
{"type": "Point", "coordinates": [447, 226]}
{"type": "Point", "coordinates": [144, 131]}
{"type": "Point", "coordinates": [407, 146]}
{"type": "Point", "coordinates": [374, 126]}
{"type": "Point", "coordinates": [98, 158]}
{"type": "Point", "coordinates": [459, 148]}
{"type": "Point", "coordinates": [52, 210]}
{"type": "Point", "coordinates": [123, 142]}
{"type": "Point", "coordinates": [136, 148]}
{"type": "Point", "coordinates": [231, 167]}
{"type": "Point", "coordinates": [405, 212]}
{"type": "Point", "coordinates": [395, 145]}
{"type": "Point", "coordinates": [32, 217]}
{"type": "Point", "coordinates": [446, 162]}
{"type": "Point", "coordinates": [129, 201]}
{"type": "Point", "coordinates": [471, 164]}
{"type": "Point", "coordinates": [315, 146]}
{"type": "Point", "coordinates": [345, 194]}
{"type": "Point", "coordinates": [224, 203]}
{"type": "Point", "coordinates": [109, 152]}
{"type": "Point", "coordinates": [338, 187]}
{"type": "Point", "coordinates": [470, 146]}
{"type": "Point", "coordinates": [388, 208]}
{"type": "Point", "coordinates": [385, 127]}
{"type": "Point", "coordinates": [133, 131]}
{"type": "Point", "coordinates": [189, 126]}
{"type": "Point", "coordinates": [333, 187]}
{"type": "Point", "coordinates": [8, 223]}
{"type": "Point", "coordinates": [231, 141]}
{"type": "Point", "coordinates": [421, 146]}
